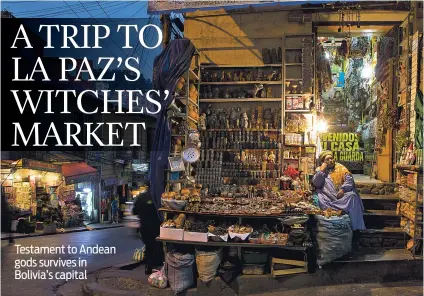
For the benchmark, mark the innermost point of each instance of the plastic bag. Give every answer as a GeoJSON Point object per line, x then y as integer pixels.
{"type": "Point", "coordinates": [158, 279]}
{"type": "Point", "coordinates": [207, 264]}
{"type": "Point", "coordinates": [334, 238]}
{"type": "Point", "coordinates": [139, 254]}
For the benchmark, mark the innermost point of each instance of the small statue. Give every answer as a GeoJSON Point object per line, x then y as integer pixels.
{"type": "Point", "coordinates": [205, 77]}
{"type": "Point", "coordinates": [209, 93]}
{"type": "Point", "coordinates": [223, 76]}
{"type": "Point", "coordinates": [272, 76]}
{"type": "Point", "coordinates": [223, 119]}
{"type": "Point", "coordinates": [265, 156]}
{"type": "Point", "coordinates": [214, 77]}
{"type": "Point", "coordinates": [235, 77]}
{"type": "Point", "coordinates": [237, 123]}
{"type": "Point", "coordinates": [274, 56]}
{"type": "Point", "coordinates": [269, 92]}
{"type": "Point", "coordinates": [227, 94]}
{"type": "Point", "coordinates": [178, 147]}
{"type": "Point", "coordinates": [228, 76]}
{"type": "Point", "coordinates": [213, 120]}
{"type": "Point", "coordinates": [258, 90]}
{"type": "Point", "coordinates": [242, 76]}
{"type": "Point", "coordinates": [280, 77]}
{"type": "Point", "coordinates": [260, 76]}
{"type": "Point", "coordinates": [216, 92]}
{"type": "Point", "coordinates": [271, 157]}
{"type": "Point", "coordinates": [263, 93]}
{"type": "Point", "coordinates": [233, 117]}
{"type": "Point", "coordinates": [242, 93]}
{"type": "Point", "coordinates": [276, 118]}
{"type": "Point", "coordinates": [249, 76]}
{"type": "Point", "coordinates": [202, 122]}
{"type": "Point", "coordinates": [244, 121]}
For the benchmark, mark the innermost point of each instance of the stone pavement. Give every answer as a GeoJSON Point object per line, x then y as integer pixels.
{"type": "Point", "coordinates": [95, 226]}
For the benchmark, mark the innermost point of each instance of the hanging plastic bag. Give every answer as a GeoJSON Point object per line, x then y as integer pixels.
{"type": "Point", "coordinates": [158, 279]}
{"type": "Point", "coordinates": [139, 254]}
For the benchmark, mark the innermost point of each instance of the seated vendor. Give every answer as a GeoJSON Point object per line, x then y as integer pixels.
{"type": "Point", "coordinates": [336, 189]}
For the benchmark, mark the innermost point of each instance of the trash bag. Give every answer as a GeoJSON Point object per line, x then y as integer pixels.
{"type": "Point", "coordinates": [158, 279]}
{"type": "Point", "coordinates": [334, 238]}
{"type": "Point", "coordinates": [207, 264]}
{"type": "Point", "coordinates": [179, 271]}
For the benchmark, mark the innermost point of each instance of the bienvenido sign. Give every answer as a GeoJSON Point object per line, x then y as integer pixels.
{"type": "Point", "coordinates": [345, 146]}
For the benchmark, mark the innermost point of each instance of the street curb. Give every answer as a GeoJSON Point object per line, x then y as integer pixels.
{"type": "Point", "coordinates": [69, 231]}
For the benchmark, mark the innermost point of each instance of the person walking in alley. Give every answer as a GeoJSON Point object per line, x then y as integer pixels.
{"type": "Point", "coordinates": [149, 230]}
{"type": "Point", "coordinates": [115, 208]}
{"type": "Point", "coordinates": [6, 218]}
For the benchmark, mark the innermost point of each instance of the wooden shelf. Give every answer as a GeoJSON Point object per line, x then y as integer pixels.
{"type": "Point", "coordinates": [240, 66]}
{"type": "Point", "coordinates": [293, 48]}
{"type": "Point", "coordinates": [240, 100]}
{"type": "Point", "coordinates": [297, 111]}
{"type": "Point", "coordinates": [229, 215]}
{"type": "Point", "coordinates": [241, 130]}
{"type": "Point", "coordinates": [193, 75]}
{"type": "Point", "coordinates": [299, 95]}
{"type": "Point", "coordinates": [412, 168]}
{"type": "Point", "coordinates": [242, 82]}
{"type": "Point", "coordinates": [293, 79]}
{"type": "Point", "coordinates": [230, 244]}
{"type": "Point", "coordinates": [293, 64]}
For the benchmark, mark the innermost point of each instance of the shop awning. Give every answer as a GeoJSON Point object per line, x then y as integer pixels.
{"type": "Point", "coordinates": [78, 172]}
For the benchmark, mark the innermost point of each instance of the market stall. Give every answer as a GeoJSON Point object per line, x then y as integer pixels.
{"type": "Point", "coordinates": [243, 148]}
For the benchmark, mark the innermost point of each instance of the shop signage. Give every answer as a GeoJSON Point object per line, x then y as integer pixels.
{"type": "Point", "coordinates": [174, 5]}
{"type": "Point", "coordinates": [92, 177]}
{"type": "Point", "coordinates": [110, 182]}
{"type": "Point", "coordinates": [345, 146]}
{"type": "Point", "coordinates": [40, 165]}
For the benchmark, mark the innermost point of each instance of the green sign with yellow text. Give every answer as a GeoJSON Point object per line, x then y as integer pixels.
{"type": "Point", "coordinates": [345, 146]}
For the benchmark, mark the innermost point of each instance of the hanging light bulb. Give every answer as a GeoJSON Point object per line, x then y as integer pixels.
{"type": "Point", "coordinates": [367, 72]}
{"type": "Point", "coordinates": [321, 126]}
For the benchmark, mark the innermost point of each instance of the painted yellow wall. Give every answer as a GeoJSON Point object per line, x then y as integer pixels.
{"type": "Point", "coordinates": [237, 39]}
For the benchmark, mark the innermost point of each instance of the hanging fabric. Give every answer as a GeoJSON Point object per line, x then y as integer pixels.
{"type": "Point", "coordinates": [169, 66]}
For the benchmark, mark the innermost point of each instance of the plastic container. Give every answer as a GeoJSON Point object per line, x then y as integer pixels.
{"type": "Point", "coordinates": [195, 236]}
{"type": "Point", "coordinates": [255, 257]}
{"type": "Point", "coordinates": [171, 233]}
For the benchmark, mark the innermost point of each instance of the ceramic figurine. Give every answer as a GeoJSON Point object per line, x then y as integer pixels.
{"type": "Point", "coordinates": [242, 93]}
{"type": "Point", "coordinates": [260, 76]}
{"type": "Point", "coordinates": [242, 76]}
{"type": "Point", "coordinates": [216, 92]}
{"type": "Point", "coordinates": [205, 77]}
{"type": "Point", "coordinates": [263, 93]}
{"type": "Point", "coordinates": [271, 157]}
{"type": "Point", "coordinates": [279, 75]}
{"type": "Point", "coordinates": [235, 77]}
{"type": "Point", "coordinates": [214, 77]}
{"type": "Point", "coordinates": [178, 147]}
{"type": "Point", "coordinates": [233, 117]}
{"type": "Point", "coordinates": [238, 123]}
{"type": "Point", "coordinates": [249, 76]}
{"type": "Point", "coordinates": [269, 92]}
{"type": "Point", "coordinates": [274, 56]}
{"type": "Point", "coordinates": [222, 76]}
{"type": "Point", "coordinates": [223, 119]}
{"type": "Point", "coordinates": [258, 90]}
{"type": "Point", "coordinates": [210, 93]}
{"type": "Point", "coordinates": [244, 121]}
{"type": "Point", "coordinates": [228, 76]}
{"type": "Point", "coordinates": [272, 76]}
{"type": "Point", "coordinates": [227, 94]}
{"type": "Point", "coordinates": [202, 122]}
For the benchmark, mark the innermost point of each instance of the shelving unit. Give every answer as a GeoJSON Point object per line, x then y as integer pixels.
{"type": "Point", "coordinates": [215, 152]}
{"type": "Point", "coordinates": [417, 220]}
{"type": "Point", "coordinates": [298, 92]}
{"type": "Point", "coordinates": [192, 78]}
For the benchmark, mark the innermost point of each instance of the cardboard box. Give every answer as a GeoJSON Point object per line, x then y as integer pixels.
{"type": "Point", "coordinates": [195, 236]}
{"type": "Point", "coordinates": [171, 233]}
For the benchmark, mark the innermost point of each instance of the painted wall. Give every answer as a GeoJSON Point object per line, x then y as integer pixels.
{"type": "Point", "coordinates": [238, 39]}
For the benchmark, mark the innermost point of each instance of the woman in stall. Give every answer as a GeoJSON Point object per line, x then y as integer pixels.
{"type": "Point", "coordinates": [336, 189]}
